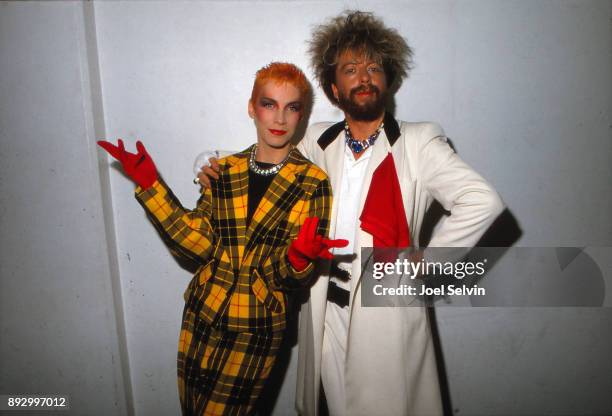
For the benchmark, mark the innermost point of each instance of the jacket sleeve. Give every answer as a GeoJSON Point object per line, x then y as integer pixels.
{"type": "Point", "coordinates": [305, 145]}
{"type": "Point", "coordinates": [188, 233]}
{"type": "Point", "coordinates": [308, 145]}
{"type": "Point", "coordinates": [276, 269]}
{"type": "Point", "coordinates": [471, 200]}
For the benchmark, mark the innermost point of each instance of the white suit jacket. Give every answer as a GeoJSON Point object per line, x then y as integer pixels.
{"type": "Point", "coordinates": [390, 365]}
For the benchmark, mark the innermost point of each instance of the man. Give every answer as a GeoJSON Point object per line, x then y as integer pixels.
{"type": "Point", "coordinates": [376, 361]}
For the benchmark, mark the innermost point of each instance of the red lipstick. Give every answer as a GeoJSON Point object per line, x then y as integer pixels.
{"type": "Point", "coordinates": [277, 132]}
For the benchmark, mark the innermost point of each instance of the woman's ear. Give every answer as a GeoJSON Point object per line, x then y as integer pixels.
{"type": "Point", "coordinates": [251, 109]}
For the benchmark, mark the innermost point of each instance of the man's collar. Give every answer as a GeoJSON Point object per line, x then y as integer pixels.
{"type": "Point", "coordinates": [392, 131]}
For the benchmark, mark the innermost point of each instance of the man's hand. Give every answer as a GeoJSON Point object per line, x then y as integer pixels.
{"type": "Point", "coordinates": [309, 245]}
{"type": "Point", "coordinates": [209, 172]}
{"type": "Point", "coordinates": [139, 167]}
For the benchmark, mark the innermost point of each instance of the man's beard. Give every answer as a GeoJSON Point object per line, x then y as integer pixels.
{"type": "Point", "coordinates": [363, 112]}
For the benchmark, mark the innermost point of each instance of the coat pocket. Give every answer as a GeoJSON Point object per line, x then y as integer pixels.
{"type": "Point", "coordinates": [274, 301]}
{"type": "Point", "coordinates": [205, 272]}
{"type": "Point", "coordinates": [201, 276]}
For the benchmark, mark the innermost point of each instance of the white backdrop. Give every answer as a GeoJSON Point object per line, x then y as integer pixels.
{"type": "Point", "coordinates": [523, 89]}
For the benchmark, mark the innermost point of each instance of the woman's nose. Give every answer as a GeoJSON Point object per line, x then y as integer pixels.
{"type": "Point", "coordinates": [280, 117]}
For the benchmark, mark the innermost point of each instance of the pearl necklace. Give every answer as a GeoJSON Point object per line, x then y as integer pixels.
{"type": "Point", "coordinates": [269, 171]}
{"type": "Point", "coordinates": [359, 146]}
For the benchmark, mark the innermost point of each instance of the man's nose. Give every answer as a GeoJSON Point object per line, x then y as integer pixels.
{"type": "Point", "coordinates": [364, 76]}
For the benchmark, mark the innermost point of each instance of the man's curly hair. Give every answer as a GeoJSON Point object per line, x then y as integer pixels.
{"type": "Point", "coordinates": [362, 33]}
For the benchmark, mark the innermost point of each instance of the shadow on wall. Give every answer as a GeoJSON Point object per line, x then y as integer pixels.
{"type": "Point", "coordinates": [504, 232]}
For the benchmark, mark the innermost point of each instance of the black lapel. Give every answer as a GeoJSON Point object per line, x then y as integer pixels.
{"type": "Point", "coordinates": [330, 134]}
{"type": "Point", "coordinates": [392, 131]}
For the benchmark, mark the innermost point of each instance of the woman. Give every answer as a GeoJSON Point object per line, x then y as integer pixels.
{"type": "Point", "coordinates": [255, 233]}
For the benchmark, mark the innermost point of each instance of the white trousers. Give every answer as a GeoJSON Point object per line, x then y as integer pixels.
{"type": "Point", "coordinates": [333, 358]}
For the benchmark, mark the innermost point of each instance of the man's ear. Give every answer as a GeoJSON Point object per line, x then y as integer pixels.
{"type": "Point", "coordinates": [334, 91]}
{"type": "Point", "coordinates": [251, 109]}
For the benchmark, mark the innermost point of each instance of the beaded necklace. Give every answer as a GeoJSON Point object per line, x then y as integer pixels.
{"type": "Point", "coordinates": [265, 171]}
{"type": "Point", "coordinates": [359, 146]}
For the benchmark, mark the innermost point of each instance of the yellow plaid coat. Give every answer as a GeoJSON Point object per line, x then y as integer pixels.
{"type": "Point", "coordinates": [244, 273]}
{"type": "Point", "coordinates": [235, 305]}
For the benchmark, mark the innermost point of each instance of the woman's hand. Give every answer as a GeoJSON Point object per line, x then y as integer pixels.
{"type": "Point", "coordinates": [139, 166]}
{"type": "Point", "coordinates": [309, 245]}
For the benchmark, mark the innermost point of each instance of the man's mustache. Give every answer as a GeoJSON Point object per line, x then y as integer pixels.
{"type": "Point", "coordinates": [369, 89]}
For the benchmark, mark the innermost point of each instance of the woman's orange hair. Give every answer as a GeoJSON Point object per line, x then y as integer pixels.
{"type": "Point", "coordinates": [281, 72]}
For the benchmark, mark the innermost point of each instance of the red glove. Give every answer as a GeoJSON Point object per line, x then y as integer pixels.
{"type": "Point", "coordinates": [309, 245]}
{"type": "Point", "coordinates": [139, 167]}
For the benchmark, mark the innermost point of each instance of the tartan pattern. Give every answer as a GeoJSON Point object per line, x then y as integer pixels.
{"type": "Point", "coordinates": [244, 272]}
{"type": "Point", "coordinates": [221, 372]}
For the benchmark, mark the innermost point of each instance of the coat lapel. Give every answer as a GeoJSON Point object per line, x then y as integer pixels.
{"type": "Point", "coordinates": [277, 201]}
{"type": "Point", "coordinates": [234, 205]}
{"type": "Point", "coordinates": [334, 165]}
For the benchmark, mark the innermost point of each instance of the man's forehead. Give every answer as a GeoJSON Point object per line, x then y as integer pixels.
{"type": "Point", "coordinates": [357, 56]}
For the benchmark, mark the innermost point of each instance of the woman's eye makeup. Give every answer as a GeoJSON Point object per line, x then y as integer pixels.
{"type": "Point", "coordinates": [266, 103]}
{"type": "Point", "coordinates": [295, 107]}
